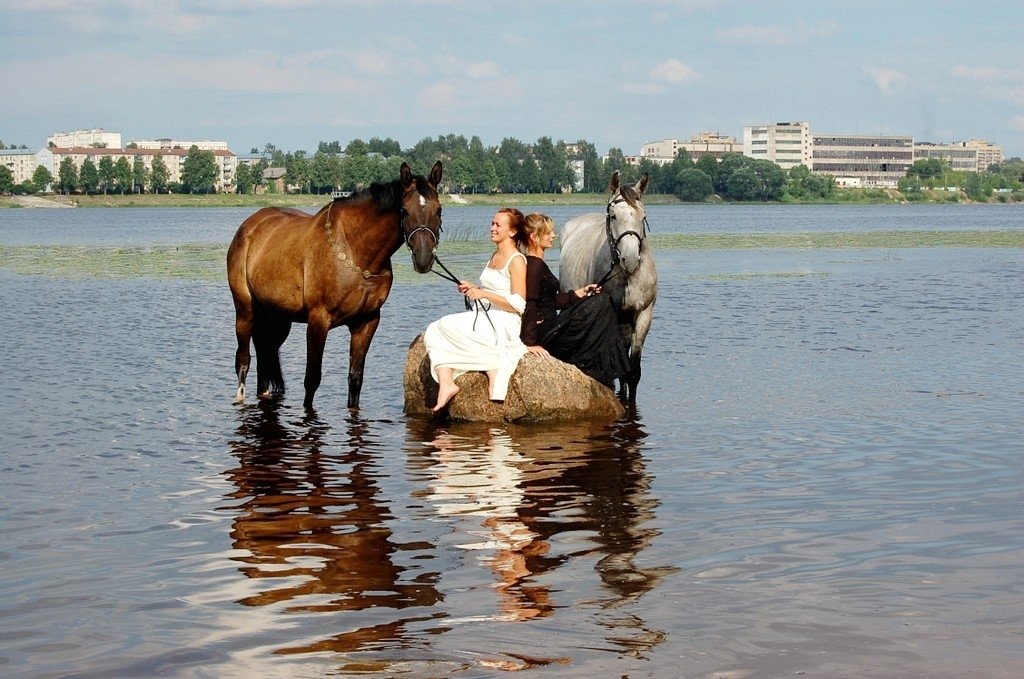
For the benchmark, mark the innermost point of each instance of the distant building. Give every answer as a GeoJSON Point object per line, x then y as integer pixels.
{"type": "Point", "coordinates": [85, 139]}
{"type": "Point", "coordinates": [701, 144]}
{"type": "Point", "coordinates": [785, 144]}
{"type": "Point", "coordinates": [958, 156]}
{"type": "Point", "coordinates": [872, 161]}
{"type": "Point", "coordinates": [21, 162]}
{"type": "Point", "coordinates": [989, 154]}
{"type": "Point", "coordinates": [168, 144]}
{"type": "Point", "coordinates": [174, 159]}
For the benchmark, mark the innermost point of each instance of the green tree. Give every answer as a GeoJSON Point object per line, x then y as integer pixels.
{"type": "Point", "coordinates": [6, 179]}
{"type": "Point", "coordinates": [89, 177]}
{"type": "Point", "coordinates": [106, 173]}
{"type": "Point", "coordinates": [199, 171]}
{"type": "Point", "coordinates": [67, 176]}
{"type": "Point", "coordinates": [140, 175]}
{"type": "Point", "coordinates": [710, 166]}
{"type": "Point", "coordinates": [693, 185]}
{"type": "Point", "coordinates": [243, 179]}
{"type": "Point", "coordinates": [329, 147]}
{"type": "Point", "coordinates": [386, 147]}
{"type": "Point", "coordinates": [297, 170]}
{"type": "Point", "coordinates": [325, 173]}
{"type": "Point", "coordinates": [160, 176]}
{"type": "Point", "coordinates": [42, 178]}
{"type": "Point", "coordinates": [742, 184]}
{"type": "Point", "coordinates": [123, 175]}
{"type": "Point", "coordinates": [975, 187]}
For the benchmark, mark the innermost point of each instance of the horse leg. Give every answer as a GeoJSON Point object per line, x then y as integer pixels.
{"type": "Point", "coordinates": [269, 333]}
{"type": "Point", "coordinates": [243, 333]}
{"type": "Point", "coordinates": [641, 326]}
{"type": "Point", "coordinates": [317, 326]}
{"type": "Point", "coordinates": [362, 335]}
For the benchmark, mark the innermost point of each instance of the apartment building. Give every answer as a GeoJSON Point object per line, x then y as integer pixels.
{"type": "Point", "coordinates": [22, 163]}
{"type": "Point", "coordinates": [85, 139]}
{"type": "Point", "coordinates": [169, 144]}
{"type": "Point", "coordinates": [957, 155]}
{"type": "Point", "coordinates": [785, 144]}
{"type": "Point", "coordinates": [174, 159]}
{"type": "Point", "coordinates": [878, 161]}
{"type": "Point", "coordinates": [701, 144]}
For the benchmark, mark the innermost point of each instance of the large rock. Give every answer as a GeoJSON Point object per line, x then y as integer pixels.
{"type": "Point", "coordinates": [541, 389]}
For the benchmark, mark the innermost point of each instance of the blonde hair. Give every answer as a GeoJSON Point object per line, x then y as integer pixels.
{"type": "Point", "coordinates": [537, 224]}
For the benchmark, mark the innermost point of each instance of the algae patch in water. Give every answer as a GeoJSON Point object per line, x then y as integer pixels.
{"type": "Point", "coordinates": [206, 261]}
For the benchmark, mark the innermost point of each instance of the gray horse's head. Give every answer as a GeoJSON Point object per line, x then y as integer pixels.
{"type": "Point", "coordinates": [626, 224]}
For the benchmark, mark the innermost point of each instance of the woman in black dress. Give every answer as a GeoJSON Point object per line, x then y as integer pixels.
{"type": "Point", "coordinates": [585, 332]}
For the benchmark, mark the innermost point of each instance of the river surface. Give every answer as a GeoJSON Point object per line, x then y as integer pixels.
{"type": "Point", "coordinates": [823, 477]}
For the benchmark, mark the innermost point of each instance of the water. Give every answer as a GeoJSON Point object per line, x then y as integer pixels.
{"type": "Point", "coordinates": [823, 477]}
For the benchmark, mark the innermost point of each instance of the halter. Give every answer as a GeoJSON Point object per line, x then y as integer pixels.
{"type": "Point", "coordinates": [346, 258]}
{"type": "Point", "coordinates": [613, 242]}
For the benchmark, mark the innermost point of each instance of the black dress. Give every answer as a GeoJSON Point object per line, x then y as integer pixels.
{"type": "Point", "coordinates": [585, 333]}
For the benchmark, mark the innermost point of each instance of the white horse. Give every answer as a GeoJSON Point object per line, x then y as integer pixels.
{"type": "Point", "coordinates": [612, 249]}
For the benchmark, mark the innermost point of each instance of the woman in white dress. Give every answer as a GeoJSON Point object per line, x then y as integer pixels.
{"type": "Point", "coordinates": [486, 338]}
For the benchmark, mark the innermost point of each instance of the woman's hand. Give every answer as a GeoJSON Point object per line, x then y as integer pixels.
{"type": "Point", "coordinates": [475, 293]}
{"type": "Point", "coordinates": [465, 286]}
{"type": "Point", "coordinates": [538, 350]}
{"type": "Point", "coordinates": [588, 290]}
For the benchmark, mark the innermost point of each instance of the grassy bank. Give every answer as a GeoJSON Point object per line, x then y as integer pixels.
{"type": "Point", "coordinates": [206, 261]}
{"type": "Point", "coordinates": [307, 201]}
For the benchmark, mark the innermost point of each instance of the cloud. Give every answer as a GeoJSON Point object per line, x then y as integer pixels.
{"type": "Point", "coordinates": [776, 36]}
{"type": "Point", "coordinates": [439, 96]}
{"type": "Point", "coordinates": [647, 88]}
{"type": "Point", "coordinates": [673, 71]}
{"type": "Point", "coordinates": [888, 81]}
{"type": "Point", "coordinates": [987, 73]}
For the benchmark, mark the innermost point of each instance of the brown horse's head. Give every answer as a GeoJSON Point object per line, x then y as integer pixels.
{"type": "Point", "coordinates": [421, 215]}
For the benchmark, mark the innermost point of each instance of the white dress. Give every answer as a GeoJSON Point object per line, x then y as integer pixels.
{"type": "Point", "coordinates": [481, 340]}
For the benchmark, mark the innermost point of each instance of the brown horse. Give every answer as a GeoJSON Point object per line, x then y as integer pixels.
{"type": "Point", "coordinates": [325, 270]}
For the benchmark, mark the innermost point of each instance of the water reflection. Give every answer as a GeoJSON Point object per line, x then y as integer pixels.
{"type": "Point", "coordinates": [528, 501]}
{"type": "Point", "coordinates": [313, 525]}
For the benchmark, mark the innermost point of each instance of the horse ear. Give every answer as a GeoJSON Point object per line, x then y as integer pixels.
{"type": "Point", "coordinates": [435, 174]}
{"type": "Point", "coordinates": [614, 185]}
{"type": "Point", "coordinates": [641, 185]}
{"type": "Point", "coordinates": [406, 174]}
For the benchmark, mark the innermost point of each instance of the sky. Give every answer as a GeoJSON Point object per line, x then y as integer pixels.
{"type": "Point", "coordinates": [293, 73]}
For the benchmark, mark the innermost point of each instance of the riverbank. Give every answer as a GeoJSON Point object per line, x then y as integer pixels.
{"type": "Point", "coordinates": [306, 201]}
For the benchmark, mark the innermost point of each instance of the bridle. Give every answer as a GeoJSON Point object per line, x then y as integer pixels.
{"type": "Point", "coordinates": [613, 242]}
{"type": "Point", "coordinates": [346, 257]}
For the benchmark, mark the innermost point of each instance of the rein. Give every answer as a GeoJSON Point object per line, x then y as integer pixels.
{"type": "Point", "coordinates": [470, 304]}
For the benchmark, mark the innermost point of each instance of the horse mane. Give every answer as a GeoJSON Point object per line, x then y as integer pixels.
{"type": "Point", "coordinates": [387, 196]}
{"type": "Point", "coordinates": [630, 194]}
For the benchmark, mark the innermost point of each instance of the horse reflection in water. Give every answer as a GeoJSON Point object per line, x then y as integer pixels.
{"type": "Point", "coordinates": [313, 526]}
{"type": "Point", "coordinates": [516, 495]}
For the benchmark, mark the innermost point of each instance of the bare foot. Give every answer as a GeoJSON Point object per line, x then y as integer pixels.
{"type": "Point", "coordinates": [445, 393]}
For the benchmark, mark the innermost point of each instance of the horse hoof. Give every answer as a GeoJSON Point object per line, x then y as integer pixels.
{"type": "Point", "coordinates": [240, 395]}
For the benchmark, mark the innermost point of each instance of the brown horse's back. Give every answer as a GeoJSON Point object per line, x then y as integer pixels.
{"type": "Point", "coordinates": [265, 259]}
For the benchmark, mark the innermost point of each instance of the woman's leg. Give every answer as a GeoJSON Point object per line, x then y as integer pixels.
{"type": "Point", "coordinates": [446, 389]}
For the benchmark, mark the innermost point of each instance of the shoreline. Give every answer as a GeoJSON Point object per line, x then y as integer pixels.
{"type": "Point", "coordinates": [454, 201]}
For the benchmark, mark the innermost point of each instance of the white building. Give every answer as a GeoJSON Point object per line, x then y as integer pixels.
{"type": "Point", "coordinates": [873, 161]}
{"type": "Point", "coordinates": [174, 159]}
{"type": "Point", "coordinates": [956, 154]}
{"type": "Point", "coordinates": [168, 144]}
{"type": "Point", "coordinates": [22, 163]}
{"type": "Point", "coordinates": [85, 139]}
{"type": "Point", "coordinates": [785, 144]}
{"type": "Point", "coordinates": [701, 144]}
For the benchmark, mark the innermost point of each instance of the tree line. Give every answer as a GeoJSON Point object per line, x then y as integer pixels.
{"type": "Point", "coordinates": [512, 166]}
